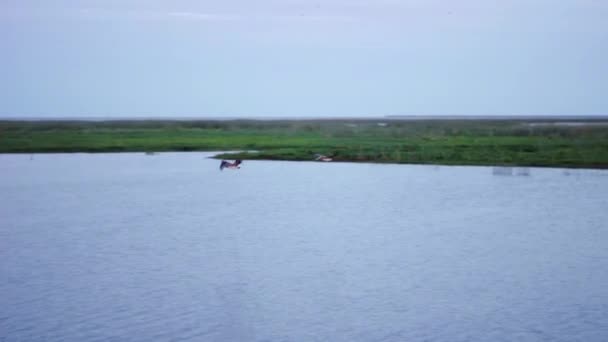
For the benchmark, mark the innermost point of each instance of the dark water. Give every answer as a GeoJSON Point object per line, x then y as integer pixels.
{"type": "Point", "coordinates": [129, 247]}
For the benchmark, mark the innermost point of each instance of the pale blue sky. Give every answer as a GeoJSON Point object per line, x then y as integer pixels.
{"type": "Point", "coordinates": [303, 58]}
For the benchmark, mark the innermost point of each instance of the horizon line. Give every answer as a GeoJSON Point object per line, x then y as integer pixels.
{"type": "Point", "coordinates": [319, 117]}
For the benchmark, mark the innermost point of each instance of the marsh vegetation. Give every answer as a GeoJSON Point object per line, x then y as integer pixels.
{"type": "Point", "coordinates": [463, 142]}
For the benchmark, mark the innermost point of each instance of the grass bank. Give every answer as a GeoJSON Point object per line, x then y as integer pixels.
{"type": "Point", "coordinates": [462, 142]}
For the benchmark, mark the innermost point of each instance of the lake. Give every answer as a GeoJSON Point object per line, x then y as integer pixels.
{"type": "Point", "coordinates": [135, 247]}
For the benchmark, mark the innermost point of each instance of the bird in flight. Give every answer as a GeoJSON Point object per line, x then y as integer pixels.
{"type": "Point", "coordinates": [227, 164]}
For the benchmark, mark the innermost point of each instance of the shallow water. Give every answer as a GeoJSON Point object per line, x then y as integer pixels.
{"type": "Point", "coordinates": [132, 247]}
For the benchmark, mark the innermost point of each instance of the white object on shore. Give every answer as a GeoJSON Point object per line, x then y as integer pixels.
{"type": "Point", "coordinates": [320, 157]}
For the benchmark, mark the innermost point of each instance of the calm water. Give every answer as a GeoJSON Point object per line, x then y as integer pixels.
{"type": "Point", "coordinates": [129, 247]}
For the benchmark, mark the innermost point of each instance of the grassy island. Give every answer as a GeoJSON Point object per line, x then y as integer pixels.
{"type": "Point", "coordinates": [522, 142]}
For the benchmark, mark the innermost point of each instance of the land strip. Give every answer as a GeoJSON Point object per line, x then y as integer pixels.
{"type": "Point", "coordinates": [511, 142]}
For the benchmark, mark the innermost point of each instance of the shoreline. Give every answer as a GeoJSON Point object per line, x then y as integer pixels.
{"type": "Point", "coordinates": [230, 155]}
{"type": "Point", "coordinates": [574, 144]}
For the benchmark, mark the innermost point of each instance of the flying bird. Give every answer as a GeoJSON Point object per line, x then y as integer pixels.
{"type": "Point", "coordinates": [235, 165]}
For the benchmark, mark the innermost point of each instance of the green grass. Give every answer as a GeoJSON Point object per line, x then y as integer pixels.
{"type": "Point", "coordinates": [463, 142]}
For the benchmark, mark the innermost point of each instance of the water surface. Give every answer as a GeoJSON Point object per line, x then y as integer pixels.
{"type": "Point", "coordinates": [132, 247]}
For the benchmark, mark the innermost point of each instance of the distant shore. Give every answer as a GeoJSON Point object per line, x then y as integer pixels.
{"type": "Point", "coordinates": [572, 141]}
{"type": "Point", "coordinates": [539, 118]}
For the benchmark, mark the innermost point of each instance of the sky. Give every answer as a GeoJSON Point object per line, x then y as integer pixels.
{"type": "Point", "coordinates": [247, 58]}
